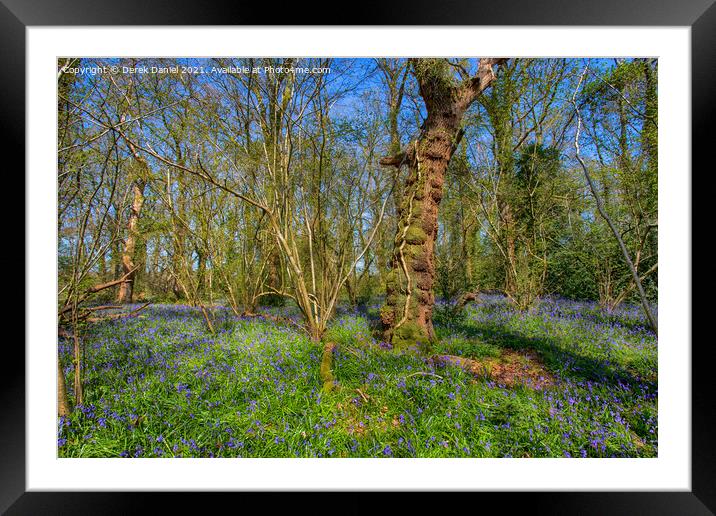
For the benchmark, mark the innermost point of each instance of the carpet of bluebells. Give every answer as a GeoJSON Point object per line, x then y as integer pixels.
{"type": "Point", "coordinates": [160, 385]}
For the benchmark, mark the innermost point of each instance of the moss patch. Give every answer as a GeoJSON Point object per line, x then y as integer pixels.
{"type": "Point", "coordinates": [414, 251]}
{"type": "Point", "coordinates": [327, 367]}
{"type": "Point", "coordinates": [415, 235]}
{"type": "Point", "coordinates": [391, 280]}
{"type": "Point", "coordinates": [410, 335]}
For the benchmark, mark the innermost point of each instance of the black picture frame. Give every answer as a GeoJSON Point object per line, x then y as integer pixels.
{"type": "Point", "coordinates": [16, 15]}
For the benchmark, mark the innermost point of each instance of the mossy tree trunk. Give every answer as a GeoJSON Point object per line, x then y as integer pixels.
{"type": "Point", "coordinates": [499, 106]}
{"type": "Point", "coordinates": [407, 313]}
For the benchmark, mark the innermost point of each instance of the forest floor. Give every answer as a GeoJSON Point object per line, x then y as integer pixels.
{"type": "Point", "coordinates": [566, 380]}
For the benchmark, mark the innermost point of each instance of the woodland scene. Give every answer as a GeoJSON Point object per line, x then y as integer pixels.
{"type": "Point", "coordinates": [357, 257]}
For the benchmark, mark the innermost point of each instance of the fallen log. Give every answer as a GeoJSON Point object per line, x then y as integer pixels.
{"type": "Point", "coordinates": [95, 289]}
{"type": "Point", "coordinates": [464, 299]}
{"type": "Point", "coordinates": [103, 307]}
{"type": "Point", "coordinates": [118, 316]}
{"type": "Point", "coordinates": [86, 312]}
{"type": "Point", "coordinates": [274, 318]}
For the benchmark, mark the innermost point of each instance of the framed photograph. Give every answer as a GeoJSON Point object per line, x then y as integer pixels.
{"type": "Point", "coordinates": [423, 255]}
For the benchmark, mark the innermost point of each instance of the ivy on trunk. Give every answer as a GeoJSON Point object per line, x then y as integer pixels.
{"type": "Point", "coordinates": [408, 310]}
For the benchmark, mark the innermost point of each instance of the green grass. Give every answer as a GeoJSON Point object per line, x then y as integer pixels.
{"type": "Point", "coordinates": [160, 386]}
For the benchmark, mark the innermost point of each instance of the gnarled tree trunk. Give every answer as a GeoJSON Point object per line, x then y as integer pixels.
{"type": "Point", "coordinates": [407, 313]}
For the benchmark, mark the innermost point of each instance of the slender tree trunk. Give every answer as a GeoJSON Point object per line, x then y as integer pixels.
{"type": "Point", "coordinates": [128, 256]}
{"type": "Point", "coordinates": [467, 257]}
{"type": "Point", "coordinates": [117, 247]}
{"type": "Point", "coordinates": [79, 397]}
{"type": "Point", "coordinates": [499, 111]}
{"type": "Point", "coordinates": [102, 265]}
{"type": "Point", "coordinates": [63, 405]}
{"type": "Point", "coordinates": [352, 298]}
{"type": "Point", "coordinates": [508, 223]}
{"type": "Point", "coordinates": [200, 273]}
{"type": "Point", "coordinates": [650, 130]}
{"type": "Point", "coordinates": [602, 211]}
{"type": "Point", "coordinates": [274, 276]}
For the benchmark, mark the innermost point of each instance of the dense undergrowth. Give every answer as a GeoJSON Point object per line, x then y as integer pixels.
{"type": "Point", "coordinates": [160, 385]}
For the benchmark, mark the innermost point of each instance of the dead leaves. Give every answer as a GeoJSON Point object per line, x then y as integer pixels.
{"type": "Point", "coordinates": [510, 369]}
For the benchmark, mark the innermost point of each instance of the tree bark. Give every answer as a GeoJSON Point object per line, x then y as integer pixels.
{"type": "Point", "coordinates": [200, 273]}
{"type": "Point", "coordinates": [327, 376]}
{"type": "Point", "coordinates": [126, 289]}
{"type": "Point", "coordinates": [79, 394]}
{"type": "Point", "coordinates": [102, 267]}
{"type": "Point", "coordinates": [63, 405]}
{"type": "Point", "coordinates": [408, 310]}
{"type": "Point", "coordinates": [508, 224]}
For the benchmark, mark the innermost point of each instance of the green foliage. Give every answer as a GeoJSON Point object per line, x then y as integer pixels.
{"type": "Point", "coordinates": [570, 275]}
{"type": "Point", "coordinates": [436, 73]}
{"type": "Point", "coordinates": [537, 164]}
{"type": "Point", "coordinates": [445, 315]}
{"type": "Point", "coordinates": [606, 87]}
{"type": "Point", "coordinates": [510, 193]}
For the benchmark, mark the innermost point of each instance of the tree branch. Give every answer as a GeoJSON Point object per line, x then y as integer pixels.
{"type": "Point", "coordinates": [605, 215]}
